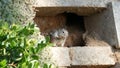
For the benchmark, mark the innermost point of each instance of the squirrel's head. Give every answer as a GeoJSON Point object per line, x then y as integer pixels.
{"type": "Point", "coordinates": [62, 33]}
{"type": "Point", "coordinates": [54, 34]}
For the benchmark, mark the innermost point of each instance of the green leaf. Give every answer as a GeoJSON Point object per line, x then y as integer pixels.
{"type": "Point", "coordinates": [18, 59]}
{"type": "Point", "coordinates": [35, 57]}
{"type": "Point", "coordinates": [31, 25]}
{"type": "Point", "coordinates": [24, 65]}
{"type": "Point", "coordinates": [41, 46]}
{"type": "Point", "coordinates": [50, 66]}
{"type": "Point", "coordinates": [5, 25]}
{"type": "Point", "coordinates": [36, 65]}
{"type": "Point", "coordinates": [3, 63]}
{"type": "Point", "coordinates": [47, 39]}
{"type": "Point", "coordinates": [30, 65]}
{"type": "Point", "coordinates": [32, 50]}
{"type": "Point", "coordinates": [45, 66]}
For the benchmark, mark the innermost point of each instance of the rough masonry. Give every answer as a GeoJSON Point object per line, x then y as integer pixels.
{"type": "Point", "coordinates": [101, 20]}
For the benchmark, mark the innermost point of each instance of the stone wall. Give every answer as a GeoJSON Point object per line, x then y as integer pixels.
{"type": "Point", "coordinates": [80, 7]}
{"type": "Point", "coordinates": [85, 57]}
{"type": "Point", "coordinates": [101, 20]}
{"type": "Point", "coordinates": [116, 12]}
{"type": "Point", "coordinates": [103, 25]}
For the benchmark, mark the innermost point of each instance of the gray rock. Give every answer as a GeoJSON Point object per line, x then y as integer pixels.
{"type": "Point", "coordinates": [116, 12]}
{"type": "Point", "coordinates": [60, 3]}
{"type": "Point", "coordinates": [60, 56]}
{"type": "Point", "coordinates": [102, 25]}
{"type": "Point", "coordinates": [106, 24]}
{"type": "Point", "coordinates": [80, 7]}
{"type": "Point", "coordinates": [92, 56]}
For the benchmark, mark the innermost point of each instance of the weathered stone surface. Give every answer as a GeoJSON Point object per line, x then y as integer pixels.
{"type": "Point", "coordinates": [98, 66]}
{"type": "Point", "coordinates": [116, 12]}
{"type": "Point", "coordinates": [92, 56]}
{"type": "Point", "coordinates": [117, 65]}
{"type": "Point", "coordinates": [106, 24]}
{"type": "Point", "coordinates": [80, 7]}
{"type": "Point", "coordinates": [102, 25]}
{"type": "Point", "coordinates": [61, 56]}
{"type": "Point", "coordinates": [63, 3]}
{"type": "Point", "coordinates": [117, 54]}
{"type": "Point", "coordinates": [62, 67]}
{"type": "Point", "coordinates": [53, 11]}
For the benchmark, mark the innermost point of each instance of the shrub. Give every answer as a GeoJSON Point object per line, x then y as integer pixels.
{"type": "Point", "coordinates": [20, 46]}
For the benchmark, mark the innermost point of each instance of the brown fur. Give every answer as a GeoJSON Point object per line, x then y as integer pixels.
{"type": "Point", "coordinates": [75, 37]}
{"type": "Point", "coordinates": [59, 36]}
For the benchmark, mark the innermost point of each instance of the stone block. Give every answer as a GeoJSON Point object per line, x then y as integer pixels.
{"type": "Point", "coordinates": [82, 11]}
{"type": "Point", "coordinates": [106, 24]}
{"type": "Point", "coordinates": [60, 55]}
{"type": "Point", "coordinates": [80, 7]}
{"type": "Point", "coordinates": [87, 56]}
{"type": "Point", "coordinates": [102, 25]}
{"type": "Point", "coordinates": [116, 12]}
{"type": "Point", "coordinates": [66, 3]}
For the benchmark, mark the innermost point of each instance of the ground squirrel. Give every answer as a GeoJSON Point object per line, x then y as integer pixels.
{"type": "Point", "coordinates": [59, 36]}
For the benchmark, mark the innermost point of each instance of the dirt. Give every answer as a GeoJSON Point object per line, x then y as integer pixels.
{"type": "Point", "coordinates": [117, 53]}
{"type": "Point", "coordinates": [47, 24]}
{"type": "Point", "coordinates": [89, 41]}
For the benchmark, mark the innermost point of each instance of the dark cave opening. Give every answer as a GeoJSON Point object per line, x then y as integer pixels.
{"type": "Point", "coordinates": [75, 26]}
{"type": "Point", "coordinates": [74, 20]}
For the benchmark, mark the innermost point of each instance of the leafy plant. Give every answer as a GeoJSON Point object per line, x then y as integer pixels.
{"type": "Point", "coordinates": [20, 46]}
